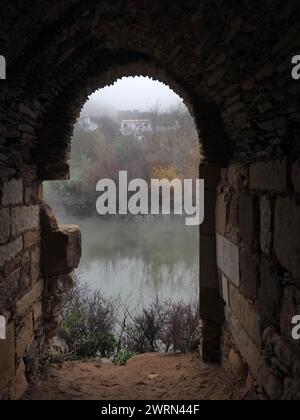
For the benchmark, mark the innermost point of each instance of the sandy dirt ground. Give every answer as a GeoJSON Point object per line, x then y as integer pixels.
{"type": "Point", "coordinates": [145, 377]}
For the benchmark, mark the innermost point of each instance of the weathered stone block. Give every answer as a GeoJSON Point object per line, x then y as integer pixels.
{"type": "Point", "coordinates": [8, 287]}
{"type": "Point", "coordinates": [35, 259]}
{"type": "Point", "coordinates": [265, 225]}
{"type": "Point", "coordinates": [291, 390]}
{"type": "Point", "coordinates": [25, 271]}
{"type": "Point", "coordinates": [12, 193]}
{"type": "Point", "coordinates": [5, 222]}
{"type": "Point", "coordinates": [237, 176]}
{"type": "Point", "coordinates": [270, 293]}
{"type": "Point", "coordinates": [221, 214]}
{"type": "Point", "coordinates": [296, 176]}
{"type": "Point", "coordinates": [20, 384]}
{"type": "Point", "coordinates": [249, 351]}
{"type": "Point", "coordinates": [225, 289]}
{"type": "Point", "coordinates": [32, 297]}
{"type": "Point", "coordinates": [25, 218]}
{"type": "Point", "coordinates": [31, 238]}
{"type": "Point", "coordinates": [246, 314]}
{"type": "Point", "coordinates": [33, 194]}
{"type": "Point", "coordinates": [280, 353]}
{"type": "Point", "coordinates": [25, 336]}
{"type": "Point", "coordinates": [287, 238]}
{"type": "Point", "coordinates": [48, 220]}
{"type": "Point", "coordinates": [269, 176]}
{"type": "Point", "coordinates": [53, 326]}
{"type": "Point", "coordinates": [271, 384]}
{"type": "Point", "coordinates": [37, 311]}
{"type": "Point", "coordinates": [61, 250]}
{"type": "Point", "coordinates": [11, 250]}
{"type": "Point", "coordinates": [249, 274]}
{"type": "Point", "coordinates": [7, 358]}
{"type": "Point", "coordinates": [236, 363]}
{"type": "Point", "coordinates": [273, 125]}
{"type": "Point", "coordinates": [233, 216]}
{"type": "Point", "coordinates": [252, 323]}
{"type": "Point", "coordinates": [248, 220]}
{"type": "Point", "coordinates": [228, 259]}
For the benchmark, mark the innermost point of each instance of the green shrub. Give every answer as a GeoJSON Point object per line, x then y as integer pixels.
{"type": "Point", "coordinates": [123, 356]}
{"type": "Point", "coordinates": [89, 325]}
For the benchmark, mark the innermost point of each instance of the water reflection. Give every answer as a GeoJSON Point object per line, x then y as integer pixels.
{"type": "Point", "coordinates": [139, 258]}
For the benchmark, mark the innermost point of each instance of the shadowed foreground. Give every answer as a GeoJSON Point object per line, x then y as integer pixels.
{"type": "Point", "coordinates": [149, 377]}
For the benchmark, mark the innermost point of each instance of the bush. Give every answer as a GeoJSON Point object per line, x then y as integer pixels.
{"type": "Point", "coordinates": [163, 327]}
{"type": "Point", "coordinates": [90, 327]}
{"type": "Point", "coordinates": [123, 356]}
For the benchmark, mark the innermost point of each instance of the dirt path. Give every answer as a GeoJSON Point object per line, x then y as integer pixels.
{"type": "Point", "coordinates": [149, 377]}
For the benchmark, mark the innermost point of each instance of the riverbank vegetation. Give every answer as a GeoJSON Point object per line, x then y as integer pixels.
{"type": "Point", "coordinates": [96, 327]}
{"type": "Point", "coordinates": [171, 150]}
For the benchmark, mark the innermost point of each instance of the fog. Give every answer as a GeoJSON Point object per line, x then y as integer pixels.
{"type": "Point", "coordinates": [135, 258]}
{"type": "Point", "coordinates": [131, 93]}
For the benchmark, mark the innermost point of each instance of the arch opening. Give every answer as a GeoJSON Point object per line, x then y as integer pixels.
{"type": "Point", "coordinates": [146, 261]}
{"type": "Point", "coordinates": [55, 133]}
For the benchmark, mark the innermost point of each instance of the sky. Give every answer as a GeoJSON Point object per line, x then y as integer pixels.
{"type": "Point", "coordinates": [133, 93]}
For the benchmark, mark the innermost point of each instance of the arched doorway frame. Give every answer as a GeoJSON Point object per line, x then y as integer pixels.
{"type": "Point", "coordinates": [55, 141]}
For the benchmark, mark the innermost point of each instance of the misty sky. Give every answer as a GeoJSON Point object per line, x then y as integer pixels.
{"type": "Point", "coordinates": [133, 93]}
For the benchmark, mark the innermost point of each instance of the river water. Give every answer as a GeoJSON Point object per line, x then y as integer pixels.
{"type": "Point", "coordinates": [140, 258]}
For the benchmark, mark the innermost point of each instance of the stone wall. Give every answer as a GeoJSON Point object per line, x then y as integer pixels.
{"type": "Point", "coordinates": [258, 225]}
{"type": "Point", "coordinates": [32, 290]}
{"type": "Point", "coordinates": [231, 62]}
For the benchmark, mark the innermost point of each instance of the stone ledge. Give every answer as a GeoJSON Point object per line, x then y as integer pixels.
{"type": "Point", "coordinates": [61, 250]}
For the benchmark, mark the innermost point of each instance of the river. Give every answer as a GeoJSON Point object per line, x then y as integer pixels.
{"type": "Point", "coordinates": [140, 258]}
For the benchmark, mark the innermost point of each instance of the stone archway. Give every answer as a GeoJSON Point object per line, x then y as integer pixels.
{"type": "Point", "coordinates": [207, 118]}
{"type": "Point", "coordinates": [232, 62]}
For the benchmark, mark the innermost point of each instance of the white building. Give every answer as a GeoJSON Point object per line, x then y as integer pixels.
{"type": "Point", "coordinates": [136, 128]}
{"type": "Point", "coordinates": [86, 124]}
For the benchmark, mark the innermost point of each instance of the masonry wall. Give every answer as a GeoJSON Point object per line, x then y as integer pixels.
{"type": "Point", "coordinates": [231, 62]}
{"type": "Point", "coordinates": [32, 290]}
{"type": "Point", "coordinates": [258, 225]}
